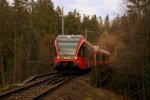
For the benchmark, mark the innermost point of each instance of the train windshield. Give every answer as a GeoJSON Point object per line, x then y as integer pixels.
{"type": "Point", "coordinates": [67, 45]}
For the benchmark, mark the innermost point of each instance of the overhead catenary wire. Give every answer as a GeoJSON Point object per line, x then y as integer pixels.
{"type": "Point", "coordinates": [60, 3]}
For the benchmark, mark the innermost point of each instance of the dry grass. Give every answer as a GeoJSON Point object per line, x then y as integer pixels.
{"type": "Point", "coordinates": [103, 94]}
{"type": "Point", "coordinates": [4, 88]}
{"type": "Point", "coordinates": [110, 41]}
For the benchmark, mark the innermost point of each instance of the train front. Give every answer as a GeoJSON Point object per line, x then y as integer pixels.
{"type": "Point", "coordinates": [66, 47]}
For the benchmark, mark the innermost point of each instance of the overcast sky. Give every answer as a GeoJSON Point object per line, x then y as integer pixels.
{"type": "Point", "coordinates": [91, 7]}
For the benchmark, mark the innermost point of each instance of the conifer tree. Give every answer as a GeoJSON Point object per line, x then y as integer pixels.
{"type": "Point", "coordinates": [72, 23]}
{"type": "Point", "coordinates": [107, 24]}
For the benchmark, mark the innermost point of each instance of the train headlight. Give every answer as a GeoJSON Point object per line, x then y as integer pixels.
{"type": "Point", "coordinates": [75, 57]}
{"type": "Point", "coordinates": [58, 57]}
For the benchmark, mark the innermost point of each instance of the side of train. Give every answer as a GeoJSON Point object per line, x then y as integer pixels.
{"type": "Point", "coordinates": [75, 53]}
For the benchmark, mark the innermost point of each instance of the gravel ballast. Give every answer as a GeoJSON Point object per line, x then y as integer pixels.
{"type": "Point", "coordinates": [79, 89]}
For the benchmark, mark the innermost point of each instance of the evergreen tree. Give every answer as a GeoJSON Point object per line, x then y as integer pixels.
{"type": "Point", "coordinates": [46, 17]}
{"type": "Point", "coordinates": [107, 24]}
{"type": "Point", "coordinates": [86, 23]}
{"type": "Point", "coordinates": [94, 24]}
{"type": "Point", "coordinates": [136, 53]}
{"type": "Point", "coordinates": [100, 24]}
{"type": "Point", "coordinates": [115, 24]}
{"type": "Point", "coordinates": [59, 20]}
{"type": "Point", "coordinates": [72, 23]}
{"type": "Point", "coordinates": [4, 47]}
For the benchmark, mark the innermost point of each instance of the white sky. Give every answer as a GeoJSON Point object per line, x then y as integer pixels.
{"type": "Point", "coordinates": [91, 7]}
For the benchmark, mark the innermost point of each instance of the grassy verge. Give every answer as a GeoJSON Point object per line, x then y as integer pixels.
{"type": "Point", "coordinates": [102, 94]}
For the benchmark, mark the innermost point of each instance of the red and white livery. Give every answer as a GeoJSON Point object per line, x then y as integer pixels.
{"type": "Point", "coordinates": [74, 52]}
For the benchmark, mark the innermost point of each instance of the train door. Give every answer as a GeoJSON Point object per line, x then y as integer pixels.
{"type": "Point", "coordinates": [82, 51]}
{"type": "Point", "coordinates": [97, 58]}
{"type": "Point", "coordinates": [86, 55]}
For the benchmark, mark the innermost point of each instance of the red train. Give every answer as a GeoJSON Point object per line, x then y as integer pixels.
{"type": "Point", "coordinates": [75, 53]}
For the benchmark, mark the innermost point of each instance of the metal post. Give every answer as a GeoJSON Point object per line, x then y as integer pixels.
{"type": "Point", "coordinates": [86, 34]}
{"type": "Point", "coordinates": [62, 20]}
{"type": "Point", "coordinates": [115, 54]}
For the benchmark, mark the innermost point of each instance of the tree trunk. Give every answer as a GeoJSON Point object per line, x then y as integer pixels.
{"type": "Point", "coordinates": [15, 59]}
{"type": "Point", "coordinates": [2, 70]}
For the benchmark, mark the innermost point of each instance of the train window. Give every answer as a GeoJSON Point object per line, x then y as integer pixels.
{"type": "Point", "coordinates": [104, 58]}
{"type": "Point", "coordinates": [99, 57]}
{"type": "Point", "coordinates": [67, 47]}
{"type": "Point", "coordinates": [55, 53]}
{"type": "Point", "coordinates": [82, 51]}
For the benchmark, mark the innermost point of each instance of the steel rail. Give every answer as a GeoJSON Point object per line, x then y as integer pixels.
{"type": "Point", "coordinates": [29, 85]}
{"type": "Point", "coordinates": [53, 85]}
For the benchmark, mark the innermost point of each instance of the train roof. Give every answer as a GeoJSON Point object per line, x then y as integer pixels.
{"type": "Point", "coordinates": [70, 36]}
{"type": "Point", "coordinates": [77, 38]}
{"type": "Point", "coordinates": [103, 51]}
{"type": "Point", "coordinates": [74, 38]}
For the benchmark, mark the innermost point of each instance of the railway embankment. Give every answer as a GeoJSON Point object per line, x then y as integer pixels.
{"type": "Point", "coordinates": [79, 89]}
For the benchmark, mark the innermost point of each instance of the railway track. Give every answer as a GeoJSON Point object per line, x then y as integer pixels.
{"type": "Point", "coordinates": [36, 88]}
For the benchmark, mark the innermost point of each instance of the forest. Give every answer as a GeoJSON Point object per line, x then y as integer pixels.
{"type": "Point", "coordinates": [28, 29]}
